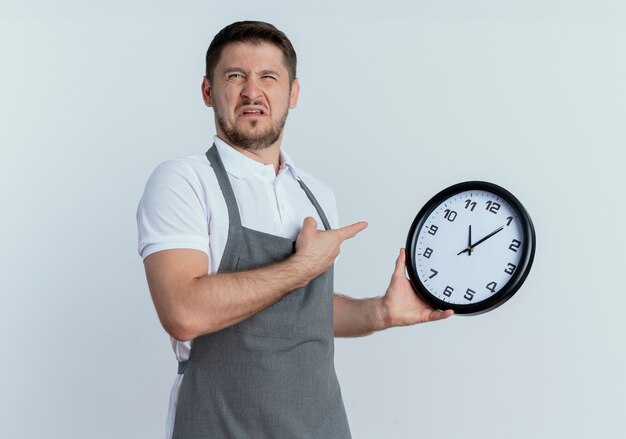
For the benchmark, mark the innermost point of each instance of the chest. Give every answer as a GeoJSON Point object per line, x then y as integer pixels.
{"type": "Point", "coordinates": [276, 206]}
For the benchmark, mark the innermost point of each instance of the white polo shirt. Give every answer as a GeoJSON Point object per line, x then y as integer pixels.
{"type": "Point", "coordinates": [183, 207]}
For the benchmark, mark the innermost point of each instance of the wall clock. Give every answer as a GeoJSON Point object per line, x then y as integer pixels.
{"type": "Point", "coordinates": [470, 248]}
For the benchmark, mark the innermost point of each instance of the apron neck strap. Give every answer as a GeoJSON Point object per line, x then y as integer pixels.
{"type": "Point", "coordinates": [317, 206]}
{"type": "Point", "coordinates": [227, 189]}
{"type": "Point", "coordinates": [229, 195]}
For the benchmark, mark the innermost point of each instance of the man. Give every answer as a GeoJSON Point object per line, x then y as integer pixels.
{"type": "Point", "coordinates": [238, 247]}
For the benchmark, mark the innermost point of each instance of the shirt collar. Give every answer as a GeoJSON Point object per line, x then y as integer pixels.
{"type": "Point", "coordinates": [287, 162]}
{"type": "Point", "coordinates": [241, 166]}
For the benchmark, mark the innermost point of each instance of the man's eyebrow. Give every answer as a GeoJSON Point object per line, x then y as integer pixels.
{"type": "Point", "coordinates": [233, 69]}
{"type": "Point", "coordinates": [260, 73]}
{"type": "Point", "coordinates": [268, 72]}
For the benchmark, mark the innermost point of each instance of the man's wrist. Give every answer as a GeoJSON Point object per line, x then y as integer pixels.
{"type": "Point", "coordinates": [302, 268]}
{"type": "Point", "coordinates": [381, 314]}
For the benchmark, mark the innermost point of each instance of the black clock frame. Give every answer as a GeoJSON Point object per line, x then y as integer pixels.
{"type": "Point", "coordinates": [520, 273]}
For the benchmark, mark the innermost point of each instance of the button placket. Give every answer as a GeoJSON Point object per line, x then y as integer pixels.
{"type": "Point", "coordinates": [266, 177]}
{"type": "Point", "coordinates": [280, 194]}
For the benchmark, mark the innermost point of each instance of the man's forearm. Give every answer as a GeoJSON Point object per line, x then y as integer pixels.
{"type": "Point", "coordinates": [191, 303]}
{"type": "Point", "coordinates": [212, 302]}
{"type": "Point", "coordinates": [358, 317]}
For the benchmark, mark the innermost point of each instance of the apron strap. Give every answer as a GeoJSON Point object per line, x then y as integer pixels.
{"type": "Point", "coordinates": [317, 206]}
{"type": "Point", "coordinates": [227, 189]}
{"type": "Point", "coordinates": [229, 195]}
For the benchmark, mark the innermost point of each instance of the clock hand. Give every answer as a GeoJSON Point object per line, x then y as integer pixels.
{"type": "Point", "coordinates": [470, 247]}
{"type": "Point", "coordinates": [487, 237]}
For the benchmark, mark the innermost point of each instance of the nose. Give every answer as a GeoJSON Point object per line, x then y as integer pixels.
{"type": "Point", "coordinates": [251, 90]}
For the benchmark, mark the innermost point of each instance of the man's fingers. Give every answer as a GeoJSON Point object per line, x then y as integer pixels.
{"type": "Point", "coordinates": [400, 264]}
{"type": "Point", "coordinates": [346, 232]}
{"type": "Point", "coordinates": [309, 223]}
{"type": "Point", "coordinates": [440, 315]}
{"type": "Point", "coordinates": [350, 231]}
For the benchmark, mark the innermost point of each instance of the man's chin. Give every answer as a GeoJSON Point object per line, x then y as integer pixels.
{"type": "Point", "coordinates": [253, 140]}
{"type": "Point", "coordinates": [253, 135]}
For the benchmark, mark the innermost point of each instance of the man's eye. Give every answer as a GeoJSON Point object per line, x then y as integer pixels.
{"type": "Point", "coordinates": [235, 76]}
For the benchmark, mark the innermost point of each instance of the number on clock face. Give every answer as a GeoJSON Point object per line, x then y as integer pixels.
{"type": "Point", "coordinates": [468, 247]}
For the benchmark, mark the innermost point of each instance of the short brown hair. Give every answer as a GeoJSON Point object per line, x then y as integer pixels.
{"type": "Point", "coordinates": [255, 32]}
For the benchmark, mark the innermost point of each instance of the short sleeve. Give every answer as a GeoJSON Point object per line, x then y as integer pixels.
{"type": "Point", "coordinates": [172, 211]}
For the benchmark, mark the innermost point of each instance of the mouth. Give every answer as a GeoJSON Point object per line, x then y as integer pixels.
{"type": "Point", "coordinates": [252, 111]}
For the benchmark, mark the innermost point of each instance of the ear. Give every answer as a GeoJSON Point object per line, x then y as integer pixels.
{"type": "Point", "coordinates": [293, 95]}
{"type": "Point", "coordinates": [206, 92]}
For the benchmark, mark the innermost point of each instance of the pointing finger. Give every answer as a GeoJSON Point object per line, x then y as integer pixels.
{"type": "Point", "coordinates": [350, 231]}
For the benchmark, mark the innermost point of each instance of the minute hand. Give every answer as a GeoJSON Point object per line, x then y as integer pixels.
{"type": "Point", "coordinates": [470, 247]}
{"type": "Point", "coordinates": [487, 237]}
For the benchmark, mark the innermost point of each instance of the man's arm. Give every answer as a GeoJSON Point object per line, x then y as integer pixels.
{"type": "Point", "coordinates": [357, 317]}
{"type": "Point", "coordinates": [400, 306]}
{"type": "Point", "coordinates": [191, 303]}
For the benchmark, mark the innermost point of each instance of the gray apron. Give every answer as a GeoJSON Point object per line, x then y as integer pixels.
{"type": "Point", "coordinates": [271, 376]}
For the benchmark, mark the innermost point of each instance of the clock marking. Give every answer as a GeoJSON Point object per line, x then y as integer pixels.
{"type": "Point", "coordinates": [500, 265]}
{"type": "Point", "coordinates": [452, 229]}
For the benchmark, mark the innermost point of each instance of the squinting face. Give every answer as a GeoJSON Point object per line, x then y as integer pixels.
{"type": "Point", "coordinates": [251, 94]}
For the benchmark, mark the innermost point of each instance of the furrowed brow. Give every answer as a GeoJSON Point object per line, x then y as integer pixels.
{"type": "Point", "coordinates": [233, 69]}
{"type": "Point", "coordinates": [269, 72]}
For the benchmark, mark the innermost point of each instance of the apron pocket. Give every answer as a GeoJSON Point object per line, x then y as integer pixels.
{"type": "Point", "coordinates": [277, 320]}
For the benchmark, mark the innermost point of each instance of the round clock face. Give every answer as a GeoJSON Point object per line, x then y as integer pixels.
{"type": "Point", "coordinates": [470, 248]}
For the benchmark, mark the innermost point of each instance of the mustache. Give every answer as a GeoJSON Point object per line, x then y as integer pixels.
{"type": "Point", "coordinates": [257, 103]}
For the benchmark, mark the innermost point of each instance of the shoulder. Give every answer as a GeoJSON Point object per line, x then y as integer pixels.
{"type": "Point", "coordinates": [191, 175]}
{"type": "Point", "coordinates": [192, 169]}
{"type": "Point", "coordinates": [185, 184]}
{"type": "Point", "coordinates": [173, 211]}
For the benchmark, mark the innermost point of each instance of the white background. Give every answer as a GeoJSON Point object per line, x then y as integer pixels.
{"type": "Point", "coordinates": [399, 100]}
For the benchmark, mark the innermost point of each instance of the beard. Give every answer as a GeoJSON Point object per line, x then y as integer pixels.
{"type": "Point", "coordinates": [250, 138]}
